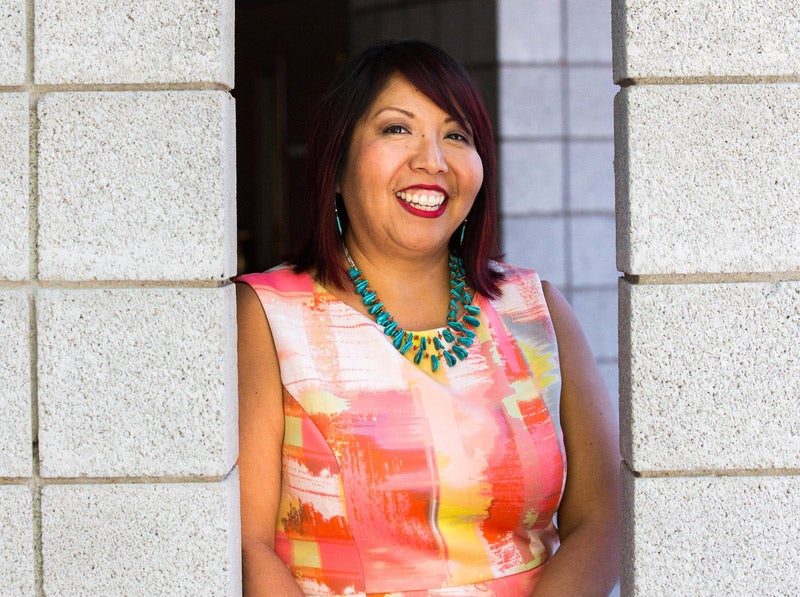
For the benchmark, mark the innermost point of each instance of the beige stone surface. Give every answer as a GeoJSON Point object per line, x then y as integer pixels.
{"type": "Point", "coordinates": [15, 385]}
{"type": "Point", "coordinates": [707, 178]}
{"type": "Point", "coordinates": [142, 539]}
{"type": "Point", "coordinates": [710, 376]}
{"type": "Point", "coordinates": [705, 38]}
{"type": "Point", "coordinates": [116, 41]}
{"type": "Point", "coordinates": [16, 541]}
{"type": "Point", "coordinates": [13, 42]}
{"type": "Point", "coordinates": [711, 536]}
{"type": "Point", "coordinates": [14, 185]}
{"type": "Point", "coordinates": [137, 186]}
{"type": "Point", "coordinates": [137, 382]}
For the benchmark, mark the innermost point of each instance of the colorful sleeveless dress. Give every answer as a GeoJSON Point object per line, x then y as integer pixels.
{"type": "Point", "coordinates": [399, 481]}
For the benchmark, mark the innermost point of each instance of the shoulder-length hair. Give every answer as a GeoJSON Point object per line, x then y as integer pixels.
{"type": "Point", "coordinates": [333, 121]}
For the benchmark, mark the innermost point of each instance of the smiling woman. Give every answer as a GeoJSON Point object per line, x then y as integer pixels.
{"type": "Point", "coordinates": [408, 404]}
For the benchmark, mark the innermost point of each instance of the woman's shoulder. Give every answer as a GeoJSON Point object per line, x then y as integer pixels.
{"type": "Point", "coordinates": [513, 275]}
{"type": "Point", "coordinates": [522, 291]}
{"type": "Point", "coordinates": [281, 279]}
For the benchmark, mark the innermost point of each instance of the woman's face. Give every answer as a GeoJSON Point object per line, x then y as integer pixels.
{"type": "Point", "coordinates": [411, 176]}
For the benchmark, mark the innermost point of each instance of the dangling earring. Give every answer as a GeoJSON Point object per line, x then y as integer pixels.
{"type": "Point", "coordinates": [336, 210]}
{"type": "Point", "coordinates": [463, 230]}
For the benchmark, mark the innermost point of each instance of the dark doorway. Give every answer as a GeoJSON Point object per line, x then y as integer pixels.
{"type": "Point", "coordinates": [287, 51]}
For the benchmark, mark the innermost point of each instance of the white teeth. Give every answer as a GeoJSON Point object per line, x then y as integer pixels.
{"type": "Point", "coordinates": [430, 202]}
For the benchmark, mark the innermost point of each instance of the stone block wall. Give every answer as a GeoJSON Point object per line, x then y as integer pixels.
{"type": "Point", "coordinates": [117, 236]}
{"type": "Point", "coordinates": [708, 197]}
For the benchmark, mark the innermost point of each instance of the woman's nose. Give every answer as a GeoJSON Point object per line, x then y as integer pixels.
{"type": "Point", "coordinates": [429, 156]}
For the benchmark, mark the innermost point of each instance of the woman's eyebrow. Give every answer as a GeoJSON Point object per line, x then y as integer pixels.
{"type": "Point", "coordinates": [447, 120]}
{"type": "Point", "coordinates": [394, 108]}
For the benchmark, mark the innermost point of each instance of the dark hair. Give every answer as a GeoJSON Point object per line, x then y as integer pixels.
{"type": "Point", "coordinates": [333, 121]}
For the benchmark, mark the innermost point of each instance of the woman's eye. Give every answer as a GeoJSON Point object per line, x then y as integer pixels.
{"type": "Point", "coordinates": [396, 129]}
{"type": "Point", "coordinates": [458, 137]}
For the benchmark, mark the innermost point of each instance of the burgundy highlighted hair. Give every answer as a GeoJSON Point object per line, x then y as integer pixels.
{"type": "Point", "coordinates": [449, 86]}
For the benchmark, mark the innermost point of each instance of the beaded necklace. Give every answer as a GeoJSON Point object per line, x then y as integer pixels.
{"type": "Point", "coordinates": [449, 343]}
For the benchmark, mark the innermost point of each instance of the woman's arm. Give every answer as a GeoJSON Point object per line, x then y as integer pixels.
{"type": "Point", "coordinates": [260, 440]}
{"type": "Point", "coordinates": [587, 563]}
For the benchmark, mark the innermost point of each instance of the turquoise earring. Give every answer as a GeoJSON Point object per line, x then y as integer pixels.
{"type": "Point", "coordinates": [336, 211]}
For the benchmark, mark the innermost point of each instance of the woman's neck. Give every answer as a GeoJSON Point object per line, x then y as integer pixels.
{"type": "Point", "coordinates": [414, 290]}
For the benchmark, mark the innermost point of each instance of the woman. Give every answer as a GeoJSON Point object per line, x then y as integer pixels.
{"type": "Point", "coordinates": [403, 400]}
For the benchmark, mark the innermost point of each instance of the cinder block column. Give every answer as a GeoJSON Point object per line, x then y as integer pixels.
{"type": "Point", "coordinates": [117, 238]}
{"type": "Point", "coordinates": [708, 235]}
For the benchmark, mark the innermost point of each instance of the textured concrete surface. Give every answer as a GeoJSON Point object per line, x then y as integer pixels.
{"type": "Point", "coordinates": [137, 382]}
{"type": "Point", "coordinates": [597, 313]}
{"type": "Point", "coordinates": [142, 539]}
{"type": "Point", "coordinates": [711, 536]}
{"type": "Point", "coordinates": [515, 40]}
{"type": "Point", "coordinates": [15, 385]}
{"type": "Point", "coordinates": [591, 102]}
{"type": "Point", "coordinates": [137, 186]}
{"type": "Point", "coordinates": [116, 41]}
{"type": "Point", "coordinates": [700, 38]}
{"type": "Point", "coordinates": [532, 177]}
{"type": "Point", "coordinates": [16, 541]}
{"type": "Point", "coordinates": [710, 376]}
{"type": "Point", "coordinates": [12, 42]}
{"type": "Point", "coordinates": [538, 243]}
{"type": "Point", "coordinates": [591, 182]}
{"type": "Point", "coordinates": [592, 251]}
{"type": "Point", "coordinates": [530, 100]}
{"type": "Point", "coordinates": [588, 31]}
{"type": "Point", "coordinates": [14, 185]}
{"type": "Point", "coordinates": [708, 179]}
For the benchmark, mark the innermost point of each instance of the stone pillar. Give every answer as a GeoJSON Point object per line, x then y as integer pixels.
{"type": "Point", "coordinates": [118, 400]}
{"type": "Point", "coordinates": [708, 200]}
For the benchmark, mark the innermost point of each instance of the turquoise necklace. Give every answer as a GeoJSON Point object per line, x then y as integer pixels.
{"type": "Point", "coordinates": [448, 344]}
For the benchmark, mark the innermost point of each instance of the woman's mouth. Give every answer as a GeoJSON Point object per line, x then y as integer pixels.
{"type": "Point", "coordinates": [423, 200]}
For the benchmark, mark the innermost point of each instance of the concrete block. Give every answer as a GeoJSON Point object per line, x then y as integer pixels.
{"type": "Point", "coordinates": [116, 41]}
{"type": "Point", "coordinates": [711, 536]}
{"type": "Point", "coordinates": [13, 42]}
{"type": "Point", "coordinates": [16, 541]}
{"type": "Point", "coordinates": [15, 385]}
{"type": "Point", "coordinates": [532, 178]}
{"type": "Point", "coordinates": [592, 254]}
{"type": "Point", "coordinates": [705, 38]}
{"type": "Point", "coordinates": [14, 185]}
{"type": "Point", "coordinates": [707, 178]}
{"type": "Point", "coordinates": [142, 539]}
{"type": "Point", "coordinates": [591, 101]}
{"type": "Point", "coordinates": [588, 31]}
{"type": "Point", "coordinates": [137, 186]}
{"type": "Point", "coordinates": [710, 376]}
{"type": "Point", "coordinates": [530, 101]}
{"type": "Point", "coordinates": [529, 31]}
{"type": "Point", "coordinates": [610, 373]}
{"type": "Point", "coordinates": [591, 176]}
{"type": "Point", "coordinates": [137, 382]}
{"type": "Point", "coordinates": [536, 243]}
{"type": "Point", "coordinates": [597, 313]}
